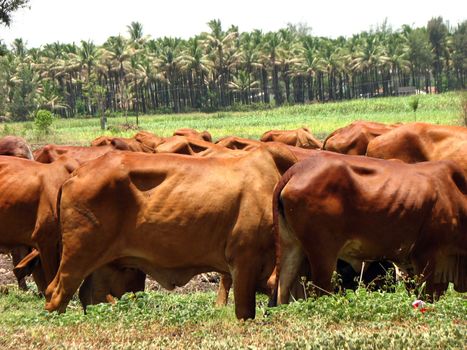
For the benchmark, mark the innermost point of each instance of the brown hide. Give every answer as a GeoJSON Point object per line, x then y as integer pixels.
{"type": "Point", "coordinates": [194, 134]}
{"type": "Point", "coordinates": [28, 213]}
{"type": "Point", "coordinates": [50, 153]}
{"type": "Point", "coordinates": [148, 141]}
{"type": "Point", "coordinates": [15, 146]}
{"type": "Point", "coordinates": [143, 141]}
{"type": "Point", "coordinates": [194, 147]}
{"type": "Point", "coordinates": [353, 139]}
{"type": "Point", "coordinates": [234, 142]}
{"type": "Point", "coordinates": [301, 137]}
{"type": "Point", "coordinates": [163, 223]}
{"type": "Point", "coordinates": [358, 208]}
{"type": "Point", "coordinates": [418, 142]}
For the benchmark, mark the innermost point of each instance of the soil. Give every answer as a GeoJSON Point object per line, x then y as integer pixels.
{"type": "Point", "coordinates": [201, 283]}
{"type": "Point", "coordinates": [6, 270]}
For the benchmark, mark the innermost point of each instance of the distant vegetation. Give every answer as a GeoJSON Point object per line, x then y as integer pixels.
{"type": "Point", "coordinates": [226, 69]}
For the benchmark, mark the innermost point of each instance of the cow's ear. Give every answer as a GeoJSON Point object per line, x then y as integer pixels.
{"type": "Point", "coordinates": [282, 156]}
{"type": "Point", "coordinates": [120, 144]}
{"type": "Point", "coordinates": [26, 266]}
{"type": "Point", "coordinates": [206, 136]}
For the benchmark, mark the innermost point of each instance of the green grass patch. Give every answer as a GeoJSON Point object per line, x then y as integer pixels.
{"type": "Point", "coordinates": [361, 319]}
{"type": "Point", "coordinates": [321, 118]}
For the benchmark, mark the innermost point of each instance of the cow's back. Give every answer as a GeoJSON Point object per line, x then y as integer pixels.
{"type": "Point", "coordinates": [418, 142]}
{"type": "Point", "coordinates": [15, 146]}
{"type": "Point", "coordinates": [353, 139]}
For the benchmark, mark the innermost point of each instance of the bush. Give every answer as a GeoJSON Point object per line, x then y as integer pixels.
{"type": "Point", "coordinates": [43, 121]}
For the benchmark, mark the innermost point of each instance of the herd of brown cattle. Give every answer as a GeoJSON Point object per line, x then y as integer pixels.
{"type": "Point", "coordinates": [258, 212]}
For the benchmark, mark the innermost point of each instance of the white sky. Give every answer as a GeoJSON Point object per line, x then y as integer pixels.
{"type": "Point", "coordinates": [69, 21]}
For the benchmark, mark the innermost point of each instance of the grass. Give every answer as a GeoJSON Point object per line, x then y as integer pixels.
{"type": "Point", "coordinates": [361, 319]}
{"type": "Point", "coordinates": [320, 118]}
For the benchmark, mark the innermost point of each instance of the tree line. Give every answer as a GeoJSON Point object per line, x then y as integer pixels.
{"type": "Point", "coordinates": [221, 69]}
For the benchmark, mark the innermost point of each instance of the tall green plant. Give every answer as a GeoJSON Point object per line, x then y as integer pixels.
{"type": "Point", "coordinates": [43, 121]}
{"type": "Point", "coordinates": [414, 103]}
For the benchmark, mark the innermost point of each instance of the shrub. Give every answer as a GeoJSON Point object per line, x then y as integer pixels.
{"type": "Point", "coordinates": [43, 121]}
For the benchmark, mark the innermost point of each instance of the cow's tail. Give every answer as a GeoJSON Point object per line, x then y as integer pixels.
{"type": "Point", "coordinates": [278, 211]}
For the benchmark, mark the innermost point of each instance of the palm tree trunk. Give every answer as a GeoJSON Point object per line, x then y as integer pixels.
{"type": "Point", "coordinates": [309, 81]}
{"type": "Point", "coordinates": [264, 78]}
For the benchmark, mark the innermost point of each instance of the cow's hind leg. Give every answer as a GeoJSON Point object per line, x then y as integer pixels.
{"type": "Point", "coordinates": [291, 257]}
{"type": "Point", "coordinates": [323, 263]}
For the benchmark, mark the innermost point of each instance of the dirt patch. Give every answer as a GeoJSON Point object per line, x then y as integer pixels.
{"type": "Point", "coordinates": [6, 270]}
{"type": "Point", "coordinates": [201, 283]}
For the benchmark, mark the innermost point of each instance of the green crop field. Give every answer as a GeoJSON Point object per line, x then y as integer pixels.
{"type": "Point", "coordinates": [320, 118]}
{"type": "Point", "coordinates": [153, 320]}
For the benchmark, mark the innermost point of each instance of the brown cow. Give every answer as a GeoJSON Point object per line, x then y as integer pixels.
{"type": "Point", "coordinates": [418, 142]}
{"type": "Point", "coordinates": [163, 223]}
{"type": "Point", "coordinates": [15, 146]}
{"type": "Point", "coordinates": [301, 137]}
{"type": "Point", "coordinates": [143, 141]}
{"type": "Point", "coordinates": [239, 143]}
{"type": "Point", "coordinates": [108, 282]}
{"type": "Point", "coordinates": [148, 141]}
{"type": "Point", "coordinates": [360, 208]}
{"type": "Point", "coordinates": [353, 139]}
{"type": "Point", "coordinates": [192, 146]}
{"type": "Point", "coordinates": [50, 153]}
{"type": "Point", "coordinates": [32, 264]}
{"type": "Point", "coordinates": [194, 134]}
{"type": "Point", "coordinates": [28, 198]}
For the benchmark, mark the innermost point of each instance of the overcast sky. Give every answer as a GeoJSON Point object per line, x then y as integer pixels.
{"type": "Point", "coordinates": [69, 21]}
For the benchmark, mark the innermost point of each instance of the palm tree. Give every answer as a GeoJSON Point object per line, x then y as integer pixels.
{"type": "Point", "coordinates": [217, 42]}
{"type": "Point", "coordinates": [88, 56]}
{"type": "Point", "coordinates": [271, 48]}
{"type": "Point", "coordinates": [19, 47]}
{"type": "Point", "coordinates": [170, 62]}
{"type": "Point", "coordinates": [397, 62]}
{"type": "Point", "coordinates": [311, 64]}
{"type": "Point", "coordinates": [369, 58]}
{"type": "Point", "coordinates": [437, 33]}
{"type": "Point", "coordinates": [197, 66]}
{"type": "Point", "coordinates": [135, 29]}
{"type": "Point", "coordinates": [419, 54]}
{"type": "Point", "coordinates": [243, 83]}
{"type": "Point", "coordinates": [288, 58]}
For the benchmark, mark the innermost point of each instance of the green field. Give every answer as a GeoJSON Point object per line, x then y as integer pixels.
{"type": "Point", "coordinates": [320, 118]}
{"type": "Point", "coordinates": [357, 320]}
